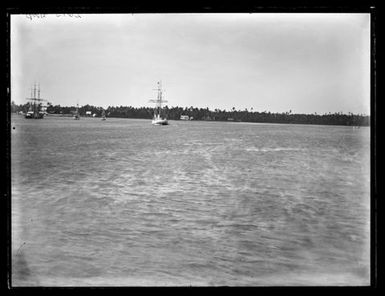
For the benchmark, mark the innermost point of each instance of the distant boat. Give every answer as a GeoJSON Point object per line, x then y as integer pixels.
{"type": "Point", "coordinates": [35, 107]}
{"type": "Point", "coordinates": [76, 114]}
{"type": "Point", "coordinates": [103, 115]}
{"type": "Point", "coordinates": [184, 117]}
{"type": "Point", "coordinates": [159, 117]}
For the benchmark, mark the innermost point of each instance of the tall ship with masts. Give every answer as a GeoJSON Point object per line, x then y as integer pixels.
{"type": "Point", "coordinates": [35, 106]}
{"type": "Point", "coordinates": [76, 114]}
{"type": "Point", "coordinates": [159, 116]}
{"type": "Point", "coordinates": [103, 115]}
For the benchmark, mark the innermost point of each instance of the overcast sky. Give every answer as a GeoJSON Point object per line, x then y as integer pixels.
{"type": "Point", "coordinates": [275, 62]}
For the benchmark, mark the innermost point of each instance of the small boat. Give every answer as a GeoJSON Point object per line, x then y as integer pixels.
{"type": "Point", "coordinates": [35, 107]}
{"type": "Point", "coordinates": [157, 120]}
{"type": "Point", "coordinates": [159, 117]}
{"type": "Point", "coordinates": [29, 114]}
{"type": "Point", "coordinates": [184, 117]}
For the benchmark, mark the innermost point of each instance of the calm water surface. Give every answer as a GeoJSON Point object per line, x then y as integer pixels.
{"type": "Point", "coordinates": [121, 202]}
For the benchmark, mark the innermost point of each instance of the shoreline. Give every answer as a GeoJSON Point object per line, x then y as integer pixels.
{"type": "Point", "coordinates": [203, 120]}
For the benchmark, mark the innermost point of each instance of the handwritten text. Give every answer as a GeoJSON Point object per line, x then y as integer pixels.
{"type": "Point", "coordinates": [61, 15]}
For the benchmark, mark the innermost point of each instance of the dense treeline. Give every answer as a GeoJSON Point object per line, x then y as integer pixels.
{"type": "Point", "coordinates": [174, 113]}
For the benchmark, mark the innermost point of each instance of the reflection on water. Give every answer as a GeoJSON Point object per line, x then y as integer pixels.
{"type": "Point", "coordinates": [121, 202]}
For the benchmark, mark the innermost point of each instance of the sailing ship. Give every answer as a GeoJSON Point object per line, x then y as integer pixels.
{"type": "Point", "coordinates": [159, 117]}
{"type": "Point", "coordinates": [35, 106]}
{"type": "Point", "coordinates": [103, 115]}
{"type": "Point", "coordinates": [76, 114]}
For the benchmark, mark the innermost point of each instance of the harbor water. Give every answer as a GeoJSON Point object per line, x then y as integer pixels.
{"type": "Point", "coordinates": [124, 203]}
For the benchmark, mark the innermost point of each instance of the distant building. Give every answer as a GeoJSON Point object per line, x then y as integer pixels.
{"type": "Point", "coordinates": [184, 117]}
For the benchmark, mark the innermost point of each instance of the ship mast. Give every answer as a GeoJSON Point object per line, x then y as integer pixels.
{"type": "Point", "coordinates": [159, 96]}
{"type": "Point", "coordinates": [30, 103]}
{"type": "Point", "coordinates": [38, 100]}
{"type": "Point", "coordinates": [34, 91]}
{"type": "Point", "coordinates": [34, 101]}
